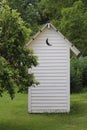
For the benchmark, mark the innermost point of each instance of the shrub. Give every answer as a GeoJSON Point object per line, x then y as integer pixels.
{"type": "Point", "coordinates": [78, 75]}
{"type": "Point", "coordinates": [84, 72]}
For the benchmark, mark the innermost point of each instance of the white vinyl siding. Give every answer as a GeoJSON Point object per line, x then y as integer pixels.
{"type": "Point", "coordinates": [53, 74]}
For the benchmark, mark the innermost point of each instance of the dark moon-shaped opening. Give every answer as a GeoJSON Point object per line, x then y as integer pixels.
{"type": "Point", "coordinates": [47, 42]}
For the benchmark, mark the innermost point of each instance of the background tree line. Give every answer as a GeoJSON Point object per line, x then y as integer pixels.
{"type": "Point", "coordinates": [19, 20]}
{"type": "Point", "coordinates": [69, 16]}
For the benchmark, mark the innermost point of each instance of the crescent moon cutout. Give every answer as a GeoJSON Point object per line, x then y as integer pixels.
{"type": "Point", "coordinates": [48, 42]}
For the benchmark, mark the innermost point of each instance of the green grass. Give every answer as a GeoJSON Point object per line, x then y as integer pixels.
{"type": "Point", "coordinates": [14, 115]}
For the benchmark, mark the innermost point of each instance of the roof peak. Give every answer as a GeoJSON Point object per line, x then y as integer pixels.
{"type": "Point", "coordinates": [49, 25]}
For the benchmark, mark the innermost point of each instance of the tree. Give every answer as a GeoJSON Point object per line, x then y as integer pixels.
{"type": "Point", "coordinates": [74, 24]}
{"type": "Point", "coordinates": [76, 77]}
{"type": "Point", "coordinates": [50, 10]}
{"type": "Point", "coordinates": [28, 11]}
{"type": "Point", "coordinates": [15, 57]}
{"type": "Point", "coordinates": [78, 74]}
{"type": "Point", "coordinates": [7, 78]}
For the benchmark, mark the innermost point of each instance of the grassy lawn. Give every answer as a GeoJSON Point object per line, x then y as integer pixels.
{"type": "Point", "coordinates": [14, 116]}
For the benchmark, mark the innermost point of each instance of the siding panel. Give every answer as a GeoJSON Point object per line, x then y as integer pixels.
{"type": "Point", "coordinates": [52, 73]}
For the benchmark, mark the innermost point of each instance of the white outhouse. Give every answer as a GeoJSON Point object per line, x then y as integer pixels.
{"type": "Point", "coordinates": [52, 95]}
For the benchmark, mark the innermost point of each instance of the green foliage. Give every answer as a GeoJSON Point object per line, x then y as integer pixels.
{"type": "Point", "coordinates": [51, 9]}
{"type": "Point", "coordinates": [17, 58]}
{"type": "Point", "coordinates": [73, 24]}
{"type": "Point", "coordinates": [78, 74]}
{"type": "Point", "coordinates": [84, 72]}
{"type": "Point", "coordinates": [69, 16]}
{"type": "Point", "coordinates": [75, 76]}
{"type": "Point", "coordinates": [28, 11]}
{"type": "Point", "coordinates": [7, 78]}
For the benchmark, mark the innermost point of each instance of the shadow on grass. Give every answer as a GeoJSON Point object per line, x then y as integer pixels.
{"type": "Point", "coordinates": [76, 108]}
{"type": "Point", "coordinates": [7, 126]}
